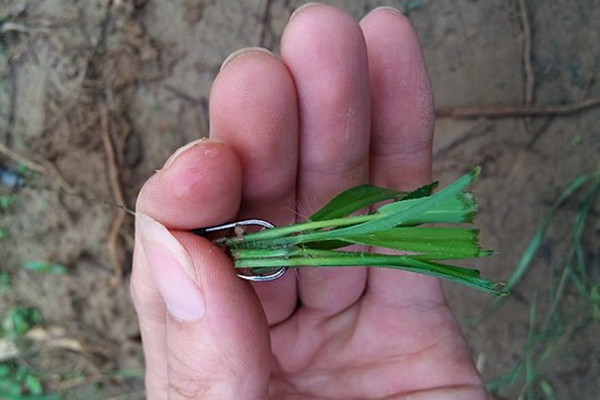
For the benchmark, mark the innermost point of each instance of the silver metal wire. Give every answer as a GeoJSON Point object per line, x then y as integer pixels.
{"type": "Point", "coordinates": [266, 276]}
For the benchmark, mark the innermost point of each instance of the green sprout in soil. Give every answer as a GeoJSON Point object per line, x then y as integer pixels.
{"type": "Point", "coordinates": [18, 321]}
{"type": "Point", "coordinates": [573, 297]}
{"type": "Point", "coordinates": [396, 225]}
{"type": "Point", "coordinates": [5, 282]}
{"type": "Point", "coordinates": [45, 267]}
{"type": "Point", "coordinates": [6, 201]}
{"type": "Point", "coordinates": [19, 382]}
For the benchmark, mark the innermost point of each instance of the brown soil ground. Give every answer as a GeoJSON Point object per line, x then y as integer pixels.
{"type": "Point", "coordinates": [88, 88]}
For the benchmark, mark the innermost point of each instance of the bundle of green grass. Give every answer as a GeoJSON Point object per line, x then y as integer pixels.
{"type": "Point", "coordinates": [396, 225]}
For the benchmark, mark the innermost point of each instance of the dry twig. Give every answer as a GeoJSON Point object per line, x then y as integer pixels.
{"type": "Point", "coordinates": [33, 166]}
{"type": "Point", "coordinates": [200, 105]}
{"type": "Point", "coordinates": [471, 112]}
{"type": "Point", "coordinates": [12, 105]}
{"type": "Point", "coordinates": [263, 23]}
{"type": "Point", "coordinates": [527, 49]}
{"type": "Point", "coordinates": [44, 168]}
{"type": "Point", "coordinates": [480, 129]}
{"type": "Point", "coordinates": [117, 192]}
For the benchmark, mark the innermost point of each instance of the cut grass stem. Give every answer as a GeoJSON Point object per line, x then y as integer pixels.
{"type": "Point", "coordinates": [394, 225]}
{"type": "Point", "coordinates": [325, 258]}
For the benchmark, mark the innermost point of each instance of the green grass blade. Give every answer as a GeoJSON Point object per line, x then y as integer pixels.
{"type": "Point", "coordinates": [451, 197]}
{"type": "Point", "coordinates": [327, 245]}
{"type": "Point", "coordinates": [530, 372]}
{"type": "Point", "coordinates": [10, 396]}
{"type": "Point", "coordinates": [423, 191]}
{"type": "Point", "coordinates": [536, 241]}
{"type": "Point", "coordinates": [435, 243]}
{"type": "Point", "coordinates": [276, 236]}
{"type": "Point", "coordinates": [547, 389]}
{"type": "Point", "coordinates": [509, 378]}
{"type": "Point", "coordinates": [455, 209]}
{"type": "Point", "coordinates": [325, 258]}
{"type": "Point", "coordinates": [353, 200]}
{"type": "Point", "coordinates": [364, 196]}
{"type": "Point", "coordinates": [581, 223]}
{"type": "Point", "coordinates": [540, 233]}
{"type": "Point", "coordinates": [435, 207]}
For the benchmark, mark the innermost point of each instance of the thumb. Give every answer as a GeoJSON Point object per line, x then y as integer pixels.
{"type": "Point", "coordinates": [217, 339]}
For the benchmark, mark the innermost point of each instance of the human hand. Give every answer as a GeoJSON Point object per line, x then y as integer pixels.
{"type": "Point", "coordinates": [346, 104]}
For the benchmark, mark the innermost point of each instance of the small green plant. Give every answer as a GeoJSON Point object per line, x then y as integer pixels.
{"type": "Point", "coordinates": [5, 282]}
{"type": "Point", "coordinates": [319, 242]}
{"type": "Point", "coordinates": [412, 5]}
{"type": "Point", "coordinates": [18, 321]}
{"type": "Point", "coordinates": [23, 170]}
{"type": "Point", "coordinates": [550, 333]}
{"type": "Point", "coordinates": [20, 382]}
{"type": "Point", "coordinates": [45, 267]}
{"type": "Point", "coordinates": [6, 201]}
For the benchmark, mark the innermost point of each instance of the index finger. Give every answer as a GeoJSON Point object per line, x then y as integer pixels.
{"type": "Point", "coordinates": [199, 186]}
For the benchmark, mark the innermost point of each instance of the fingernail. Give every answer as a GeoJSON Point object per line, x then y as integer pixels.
{"type": "Point", "coordinates": [172, 269]}
{"type": "Point", "coordinates": [182, 150]}
{"type": "Point", "coordinates": [243, 52]}
{"type": "Point", "coordinates": [387, 8]}
{"type": "Point", "coordinates": [303, 8]}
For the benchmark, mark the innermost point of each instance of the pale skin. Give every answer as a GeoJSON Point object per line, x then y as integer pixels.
{"type": "Point", "coordinates": [347, 103]}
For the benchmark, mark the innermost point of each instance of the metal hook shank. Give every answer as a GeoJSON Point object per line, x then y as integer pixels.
{"type": "Point", "coordinates": [271, 276]}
